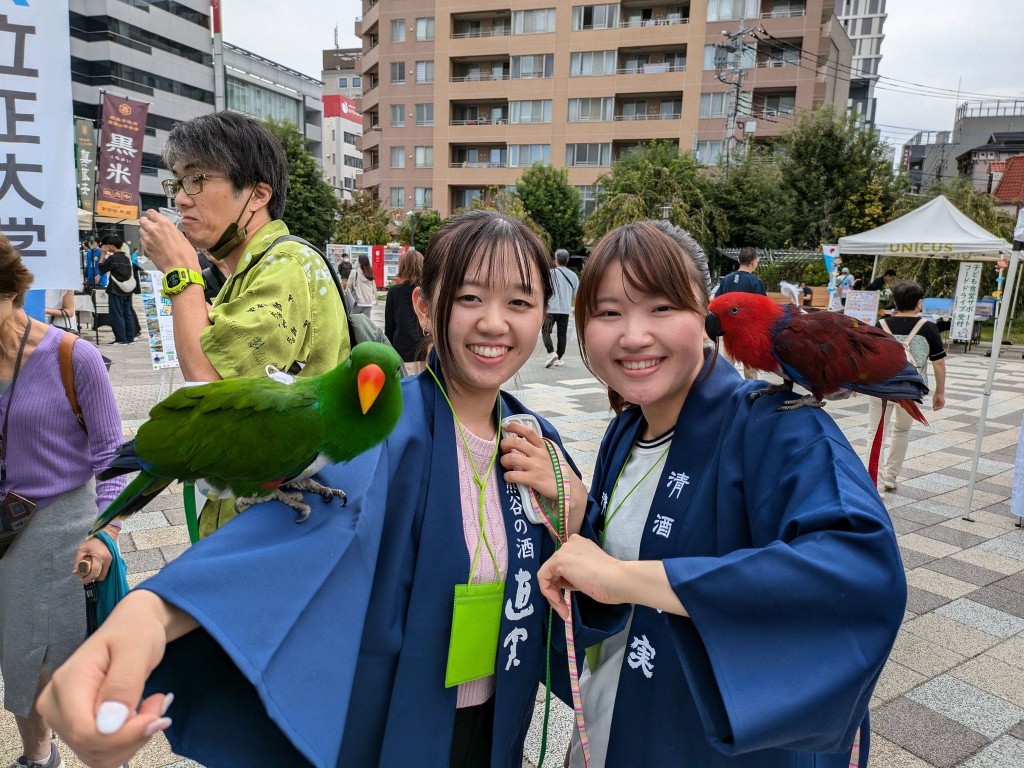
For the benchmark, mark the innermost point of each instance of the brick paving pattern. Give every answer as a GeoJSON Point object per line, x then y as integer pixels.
{"type": "Point", "coordinates": [952, 693]}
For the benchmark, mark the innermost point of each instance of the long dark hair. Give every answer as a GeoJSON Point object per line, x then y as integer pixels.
{"type": "Point", "coordinates": [364, 266]}
{"type": "Point", "coordinates": [489, 238]}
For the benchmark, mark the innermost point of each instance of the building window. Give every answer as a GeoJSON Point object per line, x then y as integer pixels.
{"type": "Point", "coordinates": [398, 30]}
{"type": "Point", "coordinates": [397, 115]}
{"type": "Point", "coordinates": [398, 157]}
{"type": "Point", "coordinates": [425, 28]}
{"type": "Point", "coordinates": [525, 155]}
{"type": "Point", "coordinates": [533, 22]}
{"type": "Point", "coordinates": [423, 197]}
{"type": "Point", "coordinates": [588, 197]}
{"type": "Point", "coordinates": [714, 104]}
{"type": "Point", "coordinates": [397, 72]}
{"type": "Point", "coordinates": [588, 154]}
{"type": "Point", "coordinates": [424, 157]}
{"type": "Point", "coordinates": [591, 110]}
{"type": "Point", "coordinates": [357, 82]}
{"type": "Point", "coordinates": [708, 152]}
{"type": "Point", "coordinates": [263, 103]}
{"type": "Point", "coordinates": [728, 10]}
{"type": "Point", "coordinates": [343, 82]}
{"type": "Point", "coordinates": [353, 162]}
{"type": "Point", "coordinates": [424, 71]}
{"type": "Point", "coordinates": [671, 109]}
{"type": "Point", "coordinates": [589, 63]}
{"type": "Point", "coordinates": [463, 198]}
{"type": "Point", "coordinates": [425, 114]}
{"type": "Point", "coordinates": [398, 197]}
{"type": "Point", "coordinates": [595, 16]}
{"type": "Point", "coordinates": [778, 104]}
{"type": "Point", "coordinates": [537, 111]}
{"type": "Point", "coordinates": [348, 138]}
{"type": "Point", "coordinates": [531, 67]}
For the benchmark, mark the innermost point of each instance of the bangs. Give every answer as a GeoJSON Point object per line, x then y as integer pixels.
{"type": "Point", "coordinates": [502, 262]}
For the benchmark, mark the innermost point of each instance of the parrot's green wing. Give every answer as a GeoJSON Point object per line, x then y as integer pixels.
{"type": "Point", "coordinates": [240, 434]}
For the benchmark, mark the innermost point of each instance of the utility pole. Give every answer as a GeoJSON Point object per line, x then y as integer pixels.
{"type": "Point", "coordinates": [729, 70]}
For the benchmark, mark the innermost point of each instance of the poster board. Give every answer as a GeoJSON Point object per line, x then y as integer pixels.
{"type": "Point", "coordinates": [961, 322]}
{"type": "Point", "coordinates": [862, 305]}
{"type": "Point", "coordinates": [159, 324]}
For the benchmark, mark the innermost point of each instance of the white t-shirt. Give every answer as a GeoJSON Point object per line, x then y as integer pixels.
{"type": "Point", "coordinates": [624, 532]}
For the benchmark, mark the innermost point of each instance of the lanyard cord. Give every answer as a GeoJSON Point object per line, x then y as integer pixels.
{"type": "Point", "coordinates": [481, 483]}
{"type": "Point", "coordinates": [556, 521]}
{"type": "Point", "coordinates": [10, 400]}
{"type": "Point", "coordinates": [610, 516]}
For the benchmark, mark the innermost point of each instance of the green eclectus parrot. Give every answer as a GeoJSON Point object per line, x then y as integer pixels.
{"type": "Point", "coordinates": [256, 438]}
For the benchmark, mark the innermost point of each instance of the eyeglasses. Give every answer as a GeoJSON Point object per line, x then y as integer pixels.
{"type": "Point", "coordinates": [192, 184]}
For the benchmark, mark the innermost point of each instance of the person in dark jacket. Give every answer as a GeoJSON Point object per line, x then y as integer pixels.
{"type": "Point", "coordinates": [400, 323]}
{"type": "Point", "coordinates": [122, 283]}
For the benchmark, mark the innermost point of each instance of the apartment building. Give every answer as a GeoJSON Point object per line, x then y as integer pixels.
{"type": "Point", "coordinates": [863, 21]}
{"type": "Point", "coordinates": [463, 95]}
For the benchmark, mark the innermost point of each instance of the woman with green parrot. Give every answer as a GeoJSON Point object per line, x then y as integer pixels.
{"type": "Point", "coordinates": [329, 642]}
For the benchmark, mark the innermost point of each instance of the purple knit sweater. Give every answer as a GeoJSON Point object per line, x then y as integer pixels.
{"type": "Point", "coordinates": [47, 452]}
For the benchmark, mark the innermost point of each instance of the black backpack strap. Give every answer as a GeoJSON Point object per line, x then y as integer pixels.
{"type": "Point", "coordinates": [330, 268]}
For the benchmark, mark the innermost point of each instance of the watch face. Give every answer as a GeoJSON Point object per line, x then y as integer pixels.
{"type": "Point", "coordinates": [173, 279]}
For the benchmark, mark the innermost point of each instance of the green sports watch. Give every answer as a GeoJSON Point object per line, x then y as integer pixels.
{"type": "Point", "coordinates": [178, 279]}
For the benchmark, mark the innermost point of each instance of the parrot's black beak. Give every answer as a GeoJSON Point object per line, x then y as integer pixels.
{"type": "Point", "coordinates": [712, 327]}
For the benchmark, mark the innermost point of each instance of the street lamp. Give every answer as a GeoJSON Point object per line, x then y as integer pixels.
{"type": "Point", "coordinates": [411, 216]}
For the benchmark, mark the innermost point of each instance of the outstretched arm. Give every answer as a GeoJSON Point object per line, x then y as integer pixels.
{"type": "Point", "coordinates": [93, 700]}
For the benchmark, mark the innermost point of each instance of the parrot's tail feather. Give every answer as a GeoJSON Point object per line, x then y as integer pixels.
{"type": "Point", "coordinates": [910, 407]}
{"type": "Point", "coordinates": [126, 461]}
{"type": "Point", "coordinates": [137, 494]}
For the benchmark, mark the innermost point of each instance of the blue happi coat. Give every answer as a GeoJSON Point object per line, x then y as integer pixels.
{"type": "Point", "coordinates": [326, 642]}
{"type": "Point", "coordinates": [778, 546]}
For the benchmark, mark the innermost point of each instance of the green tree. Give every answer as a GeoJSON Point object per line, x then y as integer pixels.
{"type": "Point", "coordinates": [654, 181]}
{"type": "Point", "coordinates": [310, 206]}
{"type": "Point", "coordinates": [426, 224]}
{"type": "Point", "coordinates": [495, 199]}
{"type": "Point", "coordinates": [838, 177]}
{"type": "Point", "coordinates": [363, 218]}
{"type": "Point", "coordinates": [755, 202]}
{"type": "Point", "coordinates": [552, 202]}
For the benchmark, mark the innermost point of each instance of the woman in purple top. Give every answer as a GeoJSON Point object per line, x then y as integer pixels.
{"type": "Point", "coordinates": [49, 461]}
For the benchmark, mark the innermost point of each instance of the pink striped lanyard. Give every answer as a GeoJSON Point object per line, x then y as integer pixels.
{"type": "Point", "coordinates": [555, 521]}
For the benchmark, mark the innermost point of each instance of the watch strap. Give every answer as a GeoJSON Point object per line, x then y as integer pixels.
{"type": "Point", "coordinates": [187, 277]}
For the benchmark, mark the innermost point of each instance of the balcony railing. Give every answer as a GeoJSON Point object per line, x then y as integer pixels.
{"type": "Point", "coordinates": [475, 164]}
{"type": "Point", "coordinates": [772, 111]}
{"type": "Point", "coordinates": [772, 63]}
{"type": "Point", "coordinates": [481, 77]}
{"type": "Point", "coordinates": [479, 121]}
{"type": "Point", "coordinates": [668, 22]}
{"type": "Point", "coordinates": [651, 69]}
{"type": "Point", "coordinates": [481, 33]}
{"type": "Point", "coordinates": [788, 14]}
{"type": "Point", "coordinates": [650, 116]}
{"type": "Point", "coordinates": [372, 167]}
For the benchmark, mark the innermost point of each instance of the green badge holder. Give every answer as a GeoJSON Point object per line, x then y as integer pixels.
{"type": "Point", "coordinates": [473, 648]}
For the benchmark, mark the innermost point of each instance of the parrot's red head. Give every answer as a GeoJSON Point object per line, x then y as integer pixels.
{"type": "Point", "coordinates": [745, 322]}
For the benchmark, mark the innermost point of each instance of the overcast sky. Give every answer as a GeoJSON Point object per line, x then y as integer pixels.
{"type": "Point", "coordinates": [974, 45]}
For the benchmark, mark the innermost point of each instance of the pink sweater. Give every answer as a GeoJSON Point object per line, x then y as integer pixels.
{"type": "Point", "coordinates": [478, 691]}
{"type": "Point", "coordinates": [47, 452]}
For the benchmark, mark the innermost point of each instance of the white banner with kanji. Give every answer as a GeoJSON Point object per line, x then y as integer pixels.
{"type": "Point", "coordinates": [38, 192]}
{"type": "Point", "coordinates": [961, 323]}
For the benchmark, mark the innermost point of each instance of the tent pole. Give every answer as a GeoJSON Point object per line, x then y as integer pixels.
{"type": "Point", "coordinates": [874, 268]}
{"type": "Point", "coordinates": [997, 343]}
{"type": "Point", "coordinates": [1013, 295]}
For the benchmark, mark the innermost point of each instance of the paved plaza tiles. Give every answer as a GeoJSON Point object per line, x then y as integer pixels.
{"type": "Point", "coordinates": [952, 693]}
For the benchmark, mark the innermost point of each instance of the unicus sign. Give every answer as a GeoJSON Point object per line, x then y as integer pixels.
{"type": "Point", "coordinates": [920, 248]}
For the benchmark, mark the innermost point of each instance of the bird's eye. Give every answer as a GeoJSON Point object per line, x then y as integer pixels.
{"type": "Point", "coordinates": [734, 310]}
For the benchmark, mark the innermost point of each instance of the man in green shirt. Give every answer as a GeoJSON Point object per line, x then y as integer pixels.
{"type": "Point", "coordinates": [279, 306]}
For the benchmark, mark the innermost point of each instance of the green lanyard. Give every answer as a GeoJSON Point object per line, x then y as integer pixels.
{"type": "Point", "coordinates": [481, 482]}
{"type": "Point", "coordinates": [611, 515]}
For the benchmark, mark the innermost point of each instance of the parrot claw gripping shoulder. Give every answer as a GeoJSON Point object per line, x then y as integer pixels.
{"type": "Point", "coordinates": [807, 401]}
{"type": "Point", "coordinates": [250, 438]}
{"type": "Point", "coordinates": [291, 499]}
{"type": "Point", "coordinates": [772, 389]}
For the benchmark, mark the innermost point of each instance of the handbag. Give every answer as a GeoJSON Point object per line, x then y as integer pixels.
{"type": "Point", "coordinates": [102, 596]}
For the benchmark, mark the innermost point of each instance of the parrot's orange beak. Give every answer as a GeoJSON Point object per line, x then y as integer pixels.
{"type": "Point", "coordinates": [371, 382]}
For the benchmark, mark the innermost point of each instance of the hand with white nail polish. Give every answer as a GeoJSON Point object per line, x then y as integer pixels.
{"type": "Point", "coordinates": [93, 700]}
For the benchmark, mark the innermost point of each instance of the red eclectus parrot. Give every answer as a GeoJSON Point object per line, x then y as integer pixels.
{"type": "Point", "coordinates": [256, 438]}
{"type": "Point", "coordinates": [825, 352]}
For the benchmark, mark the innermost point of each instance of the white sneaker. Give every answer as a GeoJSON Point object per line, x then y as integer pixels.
{"type": "Point", "coordinates": [889, 485]}
{"type": "Point", "coordinates": [552, 359]}
{"type": "Point", "coordinates": [557, 363]}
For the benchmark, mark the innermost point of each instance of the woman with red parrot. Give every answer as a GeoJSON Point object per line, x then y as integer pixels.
{"type": "Point", "coordinates": [755, 571]}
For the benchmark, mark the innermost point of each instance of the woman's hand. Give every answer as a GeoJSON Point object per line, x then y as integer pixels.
{"type": "Point", "coordinates": [95, 553]}
{"type": "Point", "coordinates": [93, 700]}
{"type": "Point", "coordinates": [526, 460]}
{"type": "Point", "coordinates": [582, 566]}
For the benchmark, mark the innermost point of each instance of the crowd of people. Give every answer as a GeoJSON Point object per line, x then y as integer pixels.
{"type": "Point", "coordinates": [713, 560]}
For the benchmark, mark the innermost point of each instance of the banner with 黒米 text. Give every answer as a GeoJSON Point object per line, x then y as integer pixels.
{"type": "Point", "coordinates": [122, 130]}
{"type": "Point", "coordinates": [38, 211]}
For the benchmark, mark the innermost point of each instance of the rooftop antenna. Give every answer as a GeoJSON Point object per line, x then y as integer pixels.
{"type": "Point", "coordinates": [336, 46]}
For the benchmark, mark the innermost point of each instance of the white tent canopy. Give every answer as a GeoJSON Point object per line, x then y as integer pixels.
{"type": "Point", "coordinates": [938, 230]}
